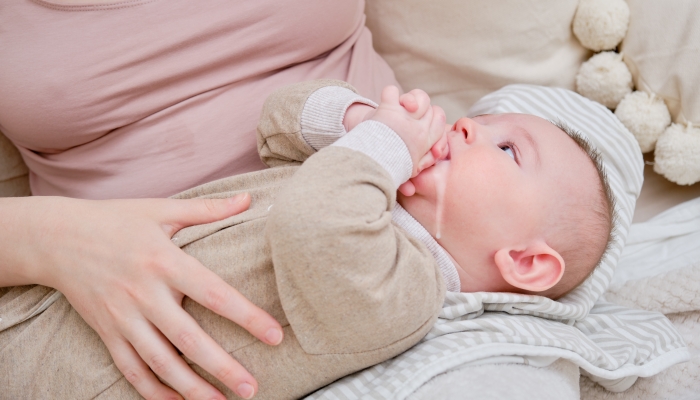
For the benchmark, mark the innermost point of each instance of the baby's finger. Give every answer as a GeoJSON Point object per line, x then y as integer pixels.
{"type": "Point", "coordinates": [440, 149]}
{"type": "Point", "coordinates": [390, 95]}
{"type": "Point", "coordinates": [409, 102]}
{"type": "Point", "coordinates": [137, 372]}
{"type": "Point", "coordinates": [437, 125]}
{"type": "Point", "coordinates": [209, 290]}
{"type": "Point", "coordinates": [186, 335]}
{"type": "Point", "coordinates": [426, 161]}
{"type": "Point", "coordinates": [161, 357]}
{"type": "Point", "coordinates": [421, 99]}
{"type": "Point", "coordinates": [407, 189]}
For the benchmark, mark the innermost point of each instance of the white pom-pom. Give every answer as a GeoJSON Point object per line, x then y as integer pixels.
{"type": "Point", "coordinates": [604, 78]}
{"type": "Point", "coordinates": [646, 116]}
{"type": "Point", "coordinates": [677, 155]}
{"type": "Point", "coordinates": [601, 24]}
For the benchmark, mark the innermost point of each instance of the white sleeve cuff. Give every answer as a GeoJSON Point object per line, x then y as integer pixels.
{"type": "Point", "coordinates": [323, 113]}
{"type": "Point", "coordinates": [384, 146]}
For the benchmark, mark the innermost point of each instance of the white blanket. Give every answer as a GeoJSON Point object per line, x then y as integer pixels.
{"type": "Point", "coordinates": [660, 271]}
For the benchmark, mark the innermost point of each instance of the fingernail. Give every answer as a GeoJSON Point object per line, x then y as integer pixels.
{"type": "Point", "coordinates": [245, 390]}
{"type": "Point", "coordinates": [237, 198]}
{"type": "Point", "coordinates": [273, 336]}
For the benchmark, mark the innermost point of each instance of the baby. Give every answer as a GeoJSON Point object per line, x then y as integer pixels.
{"type": "Point", "coordinates": [519, 204]}
{"type": "Point", "coordinates": [493, 203]}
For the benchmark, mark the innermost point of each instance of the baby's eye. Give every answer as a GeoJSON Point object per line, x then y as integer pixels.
{"type": "Point", "coordinates": [509, 150]}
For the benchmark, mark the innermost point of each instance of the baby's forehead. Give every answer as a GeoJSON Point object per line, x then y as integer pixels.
{"type": "Point", "coordinates": [542, 130]}
{"type": "Point", "coordinates": [571, 160]}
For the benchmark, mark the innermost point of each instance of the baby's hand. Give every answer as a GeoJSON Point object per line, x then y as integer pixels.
{"type": "Point", "coordinates": [416, 102]}
{"type": "Point", "coordinates": [419, 125]}
{"type": "Point", "coordinates": [356, 114]}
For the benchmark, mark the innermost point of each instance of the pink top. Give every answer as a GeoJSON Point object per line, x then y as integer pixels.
{"type": "Point", "coordinates": [146, 98]}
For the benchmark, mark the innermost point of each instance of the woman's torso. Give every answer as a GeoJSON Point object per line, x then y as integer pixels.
{"type": "Point", "coordinates": [146, 98]}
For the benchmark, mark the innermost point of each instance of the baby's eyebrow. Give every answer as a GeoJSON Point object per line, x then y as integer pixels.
{"type": "Point", "coordinates": [533, 144]}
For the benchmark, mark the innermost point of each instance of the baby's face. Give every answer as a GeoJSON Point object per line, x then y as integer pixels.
{"type": "Point", "coordinates": [504, 177]}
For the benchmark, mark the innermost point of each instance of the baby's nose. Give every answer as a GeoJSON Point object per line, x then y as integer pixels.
{"type": "Point", "coordinates": [467, 127]}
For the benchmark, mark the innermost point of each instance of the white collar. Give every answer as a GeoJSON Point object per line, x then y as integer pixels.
{"type": "Point", "coordinates": [449, 271]}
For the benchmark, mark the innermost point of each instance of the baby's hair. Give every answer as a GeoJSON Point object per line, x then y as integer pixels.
{"type": "Point", "coordinates": [609, 215]}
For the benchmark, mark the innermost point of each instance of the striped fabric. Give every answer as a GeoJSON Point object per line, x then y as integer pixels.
{"type": "Point", "coordinates": [610, 343]}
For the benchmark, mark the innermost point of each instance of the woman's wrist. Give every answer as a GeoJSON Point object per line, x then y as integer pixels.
{"type": "Point", "coordinates": [18, 239]}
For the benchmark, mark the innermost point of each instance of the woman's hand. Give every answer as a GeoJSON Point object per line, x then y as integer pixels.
{"type": "Point", "coordinates": [115, 263]}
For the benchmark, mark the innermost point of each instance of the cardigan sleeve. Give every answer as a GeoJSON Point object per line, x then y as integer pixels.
{"type": "Point", "coordinates": [298, 120]}
{"type": "Point", "coordinates": [349, 279]}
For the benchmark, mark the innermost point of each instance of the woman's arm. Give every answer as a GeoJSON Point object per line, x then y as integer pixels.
{"type": "Point", "coordinates": [116, 265]}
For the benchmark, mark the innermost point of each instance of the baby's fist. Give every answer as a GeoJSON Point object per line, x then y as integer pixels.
{"type": "Point", "coordinates": [416, 102]}
{"type": "Point", "coordinates": [419, 133]}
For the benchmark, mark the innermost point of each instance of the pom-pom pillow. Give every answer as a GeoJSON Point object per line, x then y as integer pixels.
{"type": "Point", "coordinates": [662, 50]}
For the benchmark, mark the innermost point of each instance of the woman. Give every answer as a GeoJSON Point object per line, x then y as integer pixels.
{"type": "Point", "coordinates": [143, 99]}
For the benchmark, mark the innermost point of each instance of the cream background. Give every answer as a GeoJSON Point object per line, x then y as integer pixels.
{"type": "Point", "coordinates": [458, 51]}
{"type": "Point", "coordinates": [663, 53]}
{"type": "Point", "coordinates": [662, 50]}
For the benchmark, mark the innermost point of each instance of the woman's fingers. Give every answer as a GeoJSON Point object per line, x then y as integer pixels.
{"type": "Point", "coordinates": [163, 360]}
{"type": "Point", "coordinates": [137, 372]}
{"type": "Point", "coordinates": [186, 335]}
{"type": "Point", "coordinates": [209, 290]}
{"type": "Point", "coordinates": [183, 213]}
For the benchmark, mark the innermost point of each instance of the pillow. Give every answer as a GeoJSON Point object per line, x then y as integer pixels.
{"type": "Point", "coordinates": [662, 50]}
{"type": "Point", "coordinates": [458, 51]}
{"type": "Point", "coordinates": [14, 178]}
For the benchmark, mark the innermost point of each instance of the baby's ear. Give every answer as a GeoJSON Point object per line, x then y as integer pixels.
{"type": "Point", "coordinates": [536, 268]}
